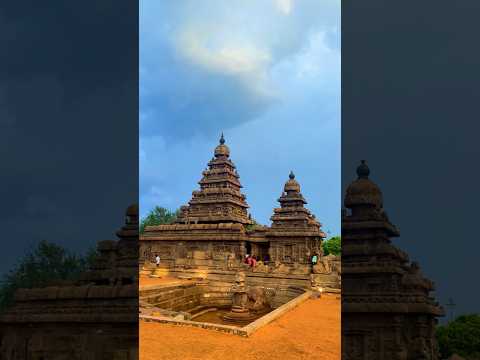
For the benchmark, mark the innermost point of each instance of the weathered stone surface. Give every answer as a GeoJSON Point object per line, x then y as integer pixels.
{"type": "Point", "coordinates": [94, 319]}
{"type": "Point", "coordinates": [387, 311]}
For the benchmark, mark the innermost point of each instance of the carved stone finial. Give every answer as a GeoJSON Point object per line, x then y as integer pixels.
{"type": "Point", "coordinates": [292, 175]}
{"type": "Point", "coordinates": [222, 139]}
{"type": "Point", "coordinates": [362, 170]}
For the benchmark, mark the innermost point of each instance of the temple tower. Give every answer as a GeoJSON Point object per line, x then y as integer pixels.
{"type": "Point", "coordinates": [295, 234]}
{"type": "Point", "coordinates": [387, 312]}
{"type": "Point", "coordinates": [219, 199]}
{"type": "Point", "coordinates": [292, 214]}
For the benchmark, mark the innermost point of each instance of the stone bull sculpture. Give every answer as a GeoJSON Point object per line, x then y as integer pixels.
{"type": "Point", "coordinates": [257, 299]}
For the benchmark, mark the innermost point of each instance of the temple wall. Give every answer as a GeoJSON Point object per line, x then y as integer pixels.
{"type": "Point", "coordinates": [291, 250]}
{"type": "Point", "coordinates": [71, 322]}
{"type": "Point", "coordinates": [380, 336]}
{"type": "Point", "coordinates": [70, 340]}
{"type": "Point", "coordinates": [218, 260]}
{"type": "Point", "coordinates": [206, 253]}
{"type": "Point", "coordinates": [283, 251]}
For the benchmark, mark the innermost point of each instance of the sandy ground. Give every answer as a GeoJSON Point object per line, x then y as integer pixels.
{"type": "Point", "coordinates": [310, 331]}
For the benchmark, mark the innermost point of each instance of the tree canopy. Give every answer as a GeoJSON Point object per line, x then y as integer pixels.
{"type": "Point", "coordinates": [253, 225]}
{"type": "Point", "coordinates": [461, 336]}
{"type": "Point", "coordinates": [46, 264]}
{"type": "Point", "coordinates": [158, 216]}
{"type": "Point", "coordinates": [332, 246]}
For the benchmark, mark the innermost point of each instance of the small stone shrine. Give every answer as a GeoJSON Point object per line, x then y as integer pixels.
{"type": "Point", "coordinates": [387, 312]}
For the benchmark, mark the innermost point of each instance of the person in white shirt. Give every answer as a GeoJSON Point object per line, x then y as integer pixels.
{"type": "Point", "coordinates": [314, 259]}
{"type": "Point", "coordinates": [157, 260]}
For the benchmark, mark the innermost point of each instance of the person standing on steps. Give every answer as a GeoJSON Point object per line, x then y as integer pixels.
{"type": "Point", "coordinates": [157, 260]}
{"type": "Point", "coordinates": [314, 259]}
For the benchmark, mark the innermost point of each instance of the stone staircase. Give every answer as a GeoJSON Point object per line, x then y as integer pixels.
{"type": "Point", "coordinates": [147, 269]}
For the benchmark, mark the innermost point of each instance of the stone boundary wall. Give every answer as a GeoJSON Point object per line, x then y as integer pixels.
{"type": "Point", "coordinates": [217, 327]}
{"type": "Point", "coordinates": [182, 297]}
{"type": "Point", "coordinates": [179, 297]}
{"type": "Point", "coordinates": [252, 278]}
{"type": "Point", "coordinates": [275, 314]}
{"type": "Point", "coordinates": [244, 331]}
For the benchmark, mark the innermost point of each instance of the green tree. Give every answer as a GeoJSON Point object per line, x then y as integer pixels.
{"type": "Point", "coordinates": [47, 264]}
{"type": "Point", "coordinates": [253, 225]}
{"type": "Point", "coordinates": [332, 246]}
{"type": "Point", "coordinates": [461, 336]}
{"type": "Point", "coordinates": [158, 216]}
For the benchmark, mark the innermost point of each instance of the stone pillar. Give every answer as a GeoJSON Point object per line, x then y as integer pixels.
{"type": "Point", "coordinates": [271, 252]}
{"type": "Point", "coordinates": [242, 250]}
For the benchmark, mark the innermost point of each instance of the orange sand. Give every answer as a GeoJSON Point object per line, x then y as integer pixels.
{"type": "Point", "coordinates": [310, 331]}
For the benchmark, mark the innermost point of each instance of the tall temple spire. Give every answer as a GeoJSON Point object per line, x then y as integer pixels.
{"type": "Point", "coordinates": [219, 198]}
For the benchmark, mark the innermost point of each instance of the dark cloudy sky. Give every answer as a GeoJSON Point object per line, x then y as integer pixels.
{"type": "Point", "coordinates": [68, 122]}
{"type": "Point", "coordinates": [410, 91]}
{"type": "Point", "coordinates": [267, 74]}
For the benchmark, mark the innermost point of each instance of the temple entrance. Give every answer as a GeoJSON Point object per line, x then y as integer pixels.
{"type": "Point", "coordinates": [248, 248]}
{"type": "Point", "coordinates": [263, 252]}
{"type": "Point", "coordinates": [260, 250]}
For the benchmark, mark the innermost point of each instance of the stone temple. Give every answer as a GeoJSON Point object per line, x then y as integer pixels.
{"type": "Point", "coordinates": [214, 233]}
{"type": "Point", "coordinates": [204, 252]}
{"type": "Point", "coordinates": [387, 310]}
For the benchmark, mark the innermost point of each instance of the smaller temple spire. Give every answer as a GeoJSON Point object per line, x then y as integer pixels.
{"type": "Point", "coordinates": [362, 170]}
{"type": "Point", "coordinates": [292, 213]}
{"type": "Point", "coordinates": [222, 139]}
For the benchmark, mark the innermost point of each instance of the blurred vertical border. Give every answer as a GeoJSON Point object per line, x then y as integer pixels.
{"type": "Point", "coordinates": [69, 219]}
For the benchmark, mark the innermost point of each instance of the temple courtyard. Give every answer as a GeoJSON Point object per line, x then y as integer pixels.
{"type": "Point", "coordinates": [308, 331]}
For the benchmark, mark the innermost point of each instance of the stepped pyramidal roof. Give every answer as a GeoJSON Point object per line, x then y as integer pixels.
{"type": "Point", "coordinates": [368, 252]}
{"type": "Point", "coordinates": [292, 214]}
{"type": "Point", "coordinates": [219, 199]}
{"type": "Point", "coordinates": [385, 296]}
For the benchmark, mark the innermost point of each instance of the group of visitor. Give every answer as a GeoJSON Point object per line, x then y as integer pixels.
{"type": "Point", "coordinates": [251, 260]}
